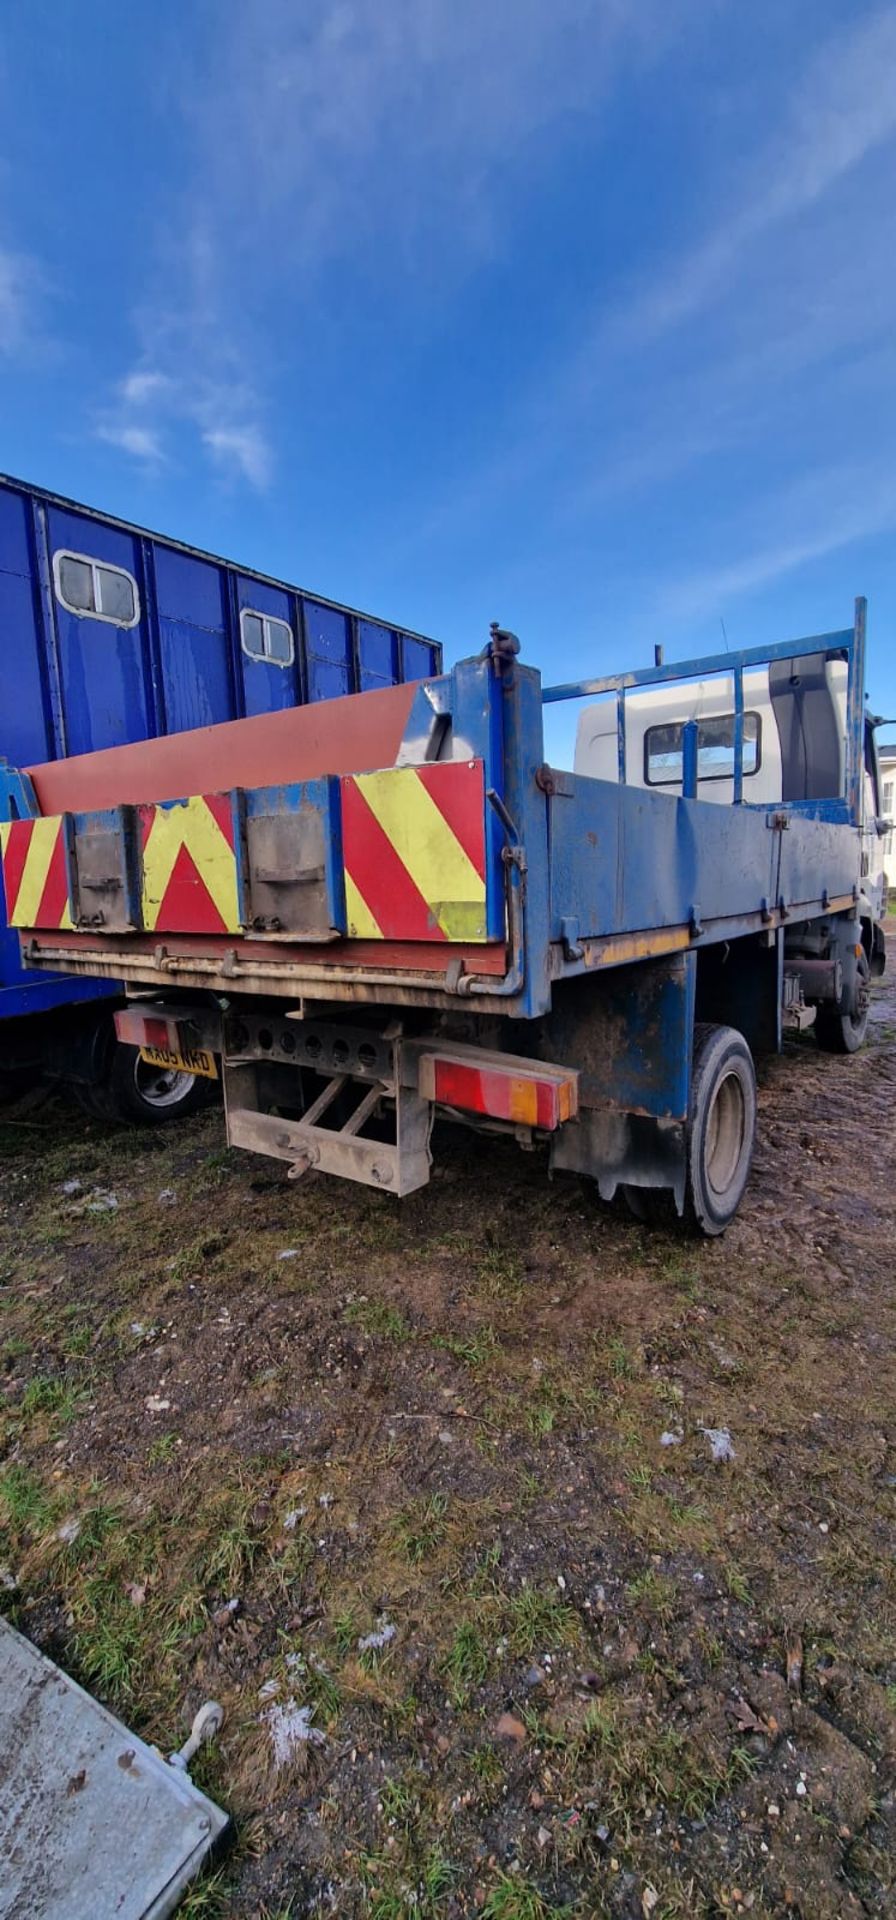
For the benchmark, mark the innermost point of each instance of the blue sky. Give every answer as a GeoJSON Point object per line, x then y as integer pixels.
{"type": "Point", "coordinates": [578, 314]}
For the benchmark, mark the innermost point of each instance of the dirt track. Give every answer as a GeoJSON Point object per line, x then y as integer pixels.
{"type": "Point", "coordinates": [447, 1419]}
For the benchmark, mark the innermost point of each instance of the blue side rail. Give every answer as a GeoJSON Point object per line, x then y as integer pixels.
{"type": "Point", "coordinates": [848, 645]}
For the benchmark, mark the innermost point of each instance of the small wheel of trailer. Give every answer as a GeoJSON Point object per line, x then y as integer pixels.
{"type": "Point", "coordinates": [151, 1095]}
{"type": "Point", "coordinates": [132, 1091]}
{"type": "Point", "coordinates": [720, 1137]}
{"type": "Point", "coordinates": [843, 1030]}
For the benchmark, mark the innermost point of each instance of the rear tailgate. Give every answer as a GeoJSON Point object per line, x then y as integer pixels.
{"type": "Point", "coordinates": [394, 866]}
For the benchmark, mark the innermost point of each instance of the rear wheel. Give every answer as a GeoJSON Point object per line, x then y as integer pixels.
{"type": "Point", "coordinates": [720, 1137]}
{"type": "Point", "coordinates": [721, 1128]}
{"type": "Point", "coordinates": [843, 1031]}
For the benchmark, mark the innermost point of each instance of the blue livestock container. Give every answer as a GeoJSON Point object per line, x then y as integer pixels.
{"type": "Point", "coordinates": [110, 634]}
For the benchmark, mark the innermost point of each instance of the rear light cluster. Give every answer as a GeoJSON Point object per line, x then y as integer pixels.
{"type": "Point", "coordinates": [527, 1096]}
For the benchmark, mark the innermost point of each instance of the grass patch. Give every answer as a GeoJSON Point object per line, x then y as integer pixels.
{"type": "Point", "coordinates": [51, 1397]}
{"type": "Point", "coordinates": [475, 1350]}
{"type": "Point", "coordinates": [501, 1274]}
{"type": "Point", "coordinates": [531, 1619]}
{"type": "Point", "coordinates": [193, 1259]}
{"type": "Point", "coordinates": [420, 1527]}
{"type": "Point", "coordinates": [27, 1507]}
{"type": "Point", "coordinates": [514, 1898]}
{"type": "Point", "coordinates": [228, 1542]}
{"type": "Point", "coordinates": [655, 1593]}
{"type": "Point", "coordinates": [466, 1662]}
{"type": "Point", "coordinates": [377, 1319]}
{"type": "Point", "coordinates": [110, 1642]}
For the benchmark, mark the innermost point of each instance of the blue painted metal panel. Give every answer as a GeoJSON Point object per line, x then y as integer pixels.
{"type": "Point", "coordinates": [377, 656]}
{"type": "Point", "coordinates": [322, 797]}
{"type": "Point", "coordinates": [193, 644]}
{"type": "Point", "coordinates": [102, 666]}
{"type": "Point", "coordinates": [268, 686]}
{"type": "Point", "coordinates": [25, 727]}
{"type": "Point", "coordinates": [421, 657]}
{"type": "Point", "coordinates": [625, 860]}
{"type": "Point", "coordinates": [24, 992]}
{"type": "Point", "coordinates": [329, 642]}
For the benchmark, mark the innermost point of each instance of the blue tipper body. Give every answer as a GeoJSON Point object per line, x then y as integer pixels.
{"type": "Point", "coordinates": [582, 874]}
{"type": "Point", "coordinates": [71, 682]}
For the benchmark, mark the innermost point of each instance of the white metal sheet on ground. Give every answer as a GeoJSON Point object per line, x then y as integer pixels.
{"type": "Point", "coordinates": [94, 1824]}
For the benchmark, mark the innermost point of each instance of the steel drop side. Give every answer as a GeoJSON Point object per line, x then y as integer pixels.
{"type": "Point", "coordinates": [390, 905]}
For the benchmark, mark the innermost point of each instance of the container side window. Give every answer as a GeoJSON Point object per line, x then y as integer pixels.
{"type": "Point", "coordinates": [279, 642]}
{"type": "Point", "coordinates": [86, 586]}
{"type": "Point", "coordinates": [76, 584]}
{"type": "Point", "coordinates": [264, 638]}
{"type": "Point", "coordinates": [116, 595]}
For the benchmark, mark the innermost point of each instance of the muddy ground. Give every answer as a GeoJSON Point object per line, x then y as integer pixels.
{"type": "Point", "coordinates": [245, 1426]}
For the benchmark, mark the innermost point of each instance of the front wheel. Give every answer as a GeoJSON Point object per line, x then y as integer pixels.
{"type": "Point", "coordinates": [844, 1032]}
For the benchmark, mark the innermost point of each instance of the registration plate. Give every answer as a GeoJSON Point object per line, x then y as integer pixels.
{"type": "Point", "coordinates": [196, 1060]}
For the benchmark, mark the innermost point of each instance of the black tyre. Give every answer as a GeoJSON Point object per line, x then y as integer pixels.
{"type": "Point", "coordinates": [142, 1094]}
{"type": "Point", "coordinates": [721, 1128]}
{"type": "Point", "coordinates": [844, 1031]}
{"type": "Point", "coordinates": [720, 1137]}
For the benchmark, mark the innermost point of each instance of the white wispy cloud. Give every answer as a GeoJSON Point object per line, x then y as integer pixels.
{"type": "Point", "coordinates": [21, 284]}
{"type": "Point", "coordinates": [347, 125]}
{"type": "Point", "coordinates": [144, 387]}
{"type": "Point", "coordinates": [143, 443]}
{"type": "Point", "coordinates": [842, 109]}
{"type": "Point", "coordinates": [773, 329]}
{"type": "Point", "coordinates": [153, 416]}
{"type": "Point", "coordinates": [244, 448]}
{"type": "Point", "coordinates": [345, 130]}
{"type": "Point", "coordinates": [834, 511]}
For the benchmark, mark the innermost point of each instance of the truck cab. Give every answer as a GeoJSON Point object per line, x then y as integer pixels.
{"type": "Point", "coordinates": [794, 748]}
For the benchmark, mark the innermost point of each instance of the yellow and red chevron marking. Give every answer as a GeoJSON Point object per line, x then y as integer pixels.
{"type": "Point", "coordinates": [34, 874]}
{"type": "Point", "coordinates": [413, 848]}
{"type": "Point", "coordinates": [189, 869]}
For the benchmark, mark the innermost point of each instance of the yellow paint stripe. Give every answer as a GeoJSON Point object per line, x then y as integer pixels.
{"type": "Point", "coordinates": [424, 842]}
{"type": "Point", "coordinates": [360, 920]}
{"type": "Point", "coordinates": [193, 826]}
{"type": "Point", "coordinates": [4, 835]}
{"type": "Point", "coordinates": [34, 876]}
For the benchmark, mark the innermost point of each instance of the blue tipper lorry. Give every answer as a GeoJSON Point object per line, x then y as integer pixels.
{"type": "Point", "coordinates": [111, 635]}
{"type": "Point", "coordinates": [388, 906]}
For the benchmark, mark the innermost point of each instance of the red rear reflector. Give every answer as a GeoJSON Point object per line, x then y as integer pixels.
{"type": "Point", "coordinates": [512, 1092]}
{"type": "Point", "coordinates": [138, 1029]}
